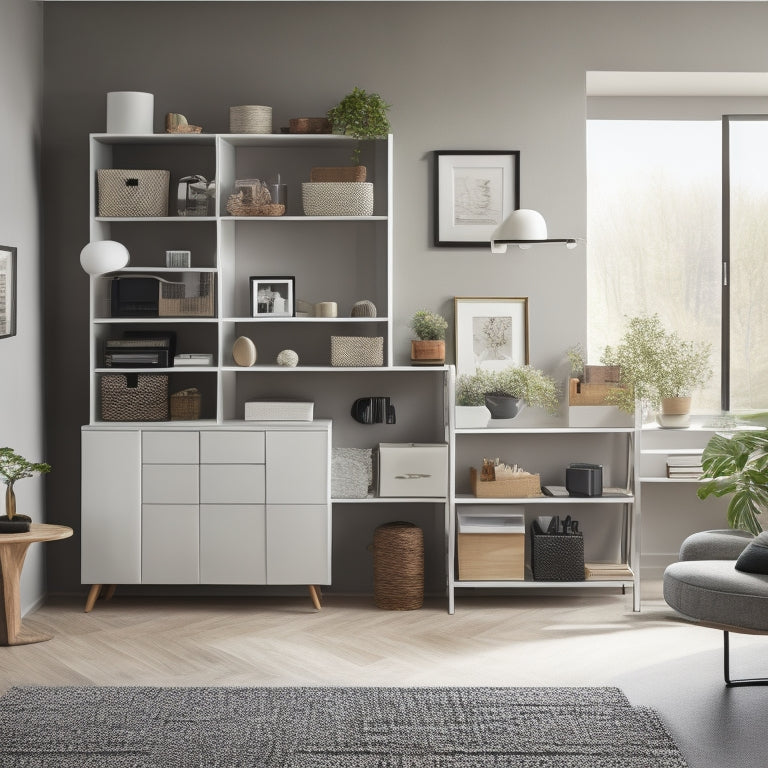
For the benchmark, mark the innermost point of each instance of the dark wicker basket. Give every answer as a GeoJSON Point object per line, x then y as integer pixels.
{"type": "Point", "coordinates": [398, 566]}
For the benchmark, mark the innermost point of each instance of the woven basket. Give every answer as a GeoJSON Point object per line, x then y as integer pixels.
{"type": "Point", "coordinates": [134, 397]}
{"type": "Point", "coordinates": [191, 298]}
{"type": "Point", "coordinates": [337, 198]}
{"type": "Point", "coordinates": [132, 193]}
{"type": "Point", "coordinates": [357, 351]}
{"type": "Point", "coordinates": [236, 207]}
{"type": "Point", "coordinates": [250, 118]}
{"type": "Point", "coordinates": [339, 173]}
{"type": "Point", "coordinates": [185, 405]}
{"type": "Point", "coordinates": [398, 566]}
{"type": "Point", "coordinates": [516, 488]}
{"type": "Point", "coordinates": [309, 125]}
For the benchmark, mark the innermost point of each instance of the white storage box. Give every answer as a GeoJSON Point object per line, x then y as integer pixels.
{"type": "Point", "coordinates": [491, 546]}
{"type": "Point", "coordinates": [278, 410]}
{"type": "Point", "coordinates": [413, 469]}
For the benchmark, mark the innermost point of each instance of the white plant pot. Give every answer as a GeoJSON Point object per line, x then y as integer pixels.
{"type": "Point", "coordinates": [472, 416]}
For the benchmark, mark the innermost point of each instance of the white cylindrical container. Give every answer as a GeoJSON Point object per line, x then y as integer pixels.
{"type": "Point", "coordinates": [130, 112]}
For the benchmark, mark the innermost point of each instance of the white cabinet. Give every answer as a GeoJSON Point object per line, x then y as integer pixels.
{"type": "Point", "coordinates": [297, 473]}
{"type": "Point", "coordinates": [233, 544]}
{"type": "Point", "coordinates": [170, 535]}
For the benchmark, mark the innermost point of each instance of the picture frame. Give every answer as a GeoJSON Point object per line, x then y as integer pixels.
{"type": "Point", "coordinates": [491, 332]}
{"type": "Point", "coordinates": [474, 192]}
{"type": "Point", "coordinates": [7, 291]}
{"type": "Point", "coordinates": [272, 296]}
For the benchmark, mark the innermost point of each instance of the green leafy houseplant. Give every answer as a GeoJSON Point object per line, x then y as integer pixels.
{"type": "Point", "coordinates": [14, 467]}
{"type": "Point", "coordinates": [737, 464]}
{"type": "Point", "coordinates": [655, 364]}
{"type": "Point", "coordinates": [429, 326]}
{"type": "Point", "coordinates": [525, 383]}
{"type": "Point", "coordinates": [362, 115]}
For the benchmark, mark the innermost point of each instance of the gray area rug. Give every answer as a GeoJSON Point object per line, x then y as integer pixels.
{"type": "Point", "coordinates": [132, 727]}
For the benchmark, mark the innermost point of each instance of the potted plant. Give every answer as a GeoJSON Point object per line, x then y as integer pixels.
{"type": "Point", "coordinates": [658, 368]}
{"type": "Point", "coordinates": [505, 391]}
{"type": "Point", "coordinates": [362, 115]}
{"type": "Point", "coordinates": [429, 347]}
{"type": "Point", "coordinates": [14, 467]}
{"type": "Point", "coordinates": [737, 464]}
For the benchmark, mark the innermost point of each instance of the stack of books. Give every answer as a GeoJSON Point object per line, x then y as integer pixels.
{"type": "Point", "coordinates": [684, 466]}
{"type": "Point", "coordinates": [608, 571]}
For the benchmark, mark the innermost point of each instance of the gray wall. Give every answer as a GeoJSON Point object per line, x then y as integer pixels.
{"type": "Point", "coordinates": [21, 377]}
{"type": "Point", "coordinates": [459, 76]}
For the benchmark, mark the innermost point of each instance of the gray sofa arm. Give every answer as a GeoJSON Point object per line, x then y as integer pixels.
{"type": "Point", "coordinates": [715, 545]}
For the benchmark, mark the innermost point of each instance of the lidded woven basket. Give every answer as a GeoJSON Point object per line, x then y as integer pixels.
{"type": "Point", "coordinates": [398, 566]}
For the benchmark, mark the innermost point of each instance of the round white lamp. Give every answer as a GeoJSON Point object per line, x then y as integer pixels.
{"type": "Point", "coordinates": [102, 256]}
{"type": "Point", "coordinates": [524, 227]}
{"type": "Point", "coordinates": [130, 112]}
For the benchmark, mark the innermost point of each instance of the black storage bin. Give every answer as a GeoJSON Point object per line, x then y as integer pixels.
{"type": "Point", "coordinates": [557, 556]}
{"type": "Point", "coordinates": [134, 397]}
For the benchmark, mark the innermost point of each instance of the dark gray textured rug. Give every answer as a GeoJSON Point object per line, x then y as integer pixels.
{"type": "Point", "coordinates": [111, 727]}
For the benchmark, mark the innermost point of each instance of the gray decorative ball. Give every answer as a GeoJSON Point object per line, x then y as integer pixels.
{"type": "Point", "coordinates": [288, 358]}
{"type": "Point", "coordinates": [364, 308]}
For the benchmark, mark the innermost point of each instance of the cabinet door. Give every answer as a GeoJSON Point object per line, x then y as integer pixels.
{"type": "Point", "coordinates": [231, 447]}
{"type": "Point", "coordinates": [111, 507]}
{"type": "Point", "coordinates": [169, 544]}
{"type": "Point", "coordinates": [170, 484]}
{"type": "Point", "coordinates": [298, 544]}
{"type": "Point", "coordinates": [232, 483]}
{"type": "Point", "coordinates": [297, 467]}
{"type": "Point", "coordinates": [169, 447]}
{"type": "Point", "coordinates": [232, 544]}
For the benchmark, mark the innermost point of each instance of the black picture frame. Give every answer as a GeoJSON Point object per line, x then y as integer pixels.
{"type": "Point", "coordinates": [283, 286]}
{"type": "Point", "coordinates": [474, 191]}
{"type": "Point", "coordinates": [7, 291]}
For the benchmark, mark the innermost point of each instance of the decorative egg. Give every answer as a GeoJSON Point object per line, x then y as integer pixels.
{"type": "Point", "coordinates": [244, 351]}
{"type": "Point", "coordinates": [364, 308]}
{"type": "Point", "coordinates": [288, 358]}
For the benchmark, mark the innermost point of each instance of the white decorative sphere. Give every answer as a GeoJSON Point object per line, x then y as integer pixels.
{"type": "Point", "coordinates": [288, 358]}
{"type": "Point", "coordinates": [101, 256]}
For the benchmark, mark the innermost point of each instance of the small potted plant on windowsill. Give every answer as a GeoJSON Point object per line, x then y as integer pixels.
{"type": "Point", "coordinates": [429, 347]}
{"type": "Point", "coordinates": [659, 369]}
{"type": "Point", "coordinates": [14, 467]}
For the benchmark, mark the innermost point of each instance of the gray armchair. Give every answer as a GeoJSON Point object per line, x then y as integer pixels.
{"type": "Point", "coordinates": [705, 587]}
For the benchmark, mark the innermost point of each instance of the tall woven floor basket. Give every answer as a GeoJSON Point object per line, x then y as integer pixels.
{"type": "Point", "coordinates": [398, 566]}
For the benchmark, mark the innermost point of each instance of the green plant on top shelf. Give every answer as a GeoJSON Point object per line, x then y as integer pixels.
{"type": "Point", "coordinates": [429, 326]}
{"type": "Point", "coordinates": [361, 115]}
{"type": "Point", "coordinates": [531, 385]}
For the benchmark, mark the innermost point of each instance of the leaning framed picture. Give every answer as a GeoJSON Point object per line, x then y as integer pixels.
{"type": "Point", "coordinates": [474, 192]}
{"type": "Point", "coordinates": [272, 296]}
{"type": "Point", "coordinates": [491, 333]}
{"type": "Point", "coordinates": [7, 291]}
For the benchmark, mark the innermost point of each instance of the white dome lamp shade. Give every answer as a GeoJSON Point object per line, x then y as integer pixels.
{"type": "Point", "coordinates": [101, 256]}
{"type": "Point", "coordinates": [524, 227]}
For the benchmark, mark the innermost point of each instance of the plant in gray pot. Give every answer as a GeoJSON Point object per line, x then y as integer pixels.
{"type": "Point", "coordinates": [506, 391]}
{"type": "Point", "coordinates": [736, 464]}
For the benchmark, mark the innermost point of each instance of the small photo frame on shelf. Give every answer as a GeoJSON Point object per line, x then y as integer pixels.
{"type": "Point", "coordinates": [272, 296]}
{"type": "Point", "coordinates": [491, 333]}
{"type": "Point", "coordinates": [7, 291]}
{"type": "Point", "coordinates": [474, 192]}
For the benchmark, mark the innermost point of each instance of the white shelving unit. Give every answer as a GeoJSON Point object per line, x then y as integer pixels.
{"type": "Point", "coordinates": [548, 450]}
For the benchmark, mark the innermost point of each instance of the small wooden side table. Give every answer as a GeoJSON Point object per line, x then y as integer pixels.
{"type": "Point", "coordinates": [13, 550]}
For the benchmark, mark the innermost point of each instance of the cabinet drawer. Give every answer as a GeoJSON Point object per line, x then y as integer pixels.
{"type": "Point", "coordinates": [169, 447]}
{"type": "Point", "coordinates": [232, 544]}
{"type": "Point", "coordinates": [169, 544]}
{"type": "Point", "coordinates": [232, 483]}
{"type": "Point", "coordinates": [169, 484]}
{"type": "Point", "coordinates": [231, 447]}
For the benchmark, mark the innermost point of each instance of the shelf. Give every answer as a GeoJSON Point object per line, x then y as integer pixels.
{"type": "Point", "coordinates": [671, 480]}
{"type": "Point", "coordinates": [528, 584]}
{"type": "Point", "coordinates": [161, 269]}
{"type": "Point", "coordinates": [545, 431]}
{"type": "Point", "coordinates": [304, 319]}
{"type": "Point", "coordinates": [615, 499]}
{"type": "Point", "coordinates": [393, 500]}
{"type": "Point", "coordinates": [155, 138]}
{"type": "Point", "coordinates": [301, 218]}
{"type": "Point", "coordinates": [150, 219]}
{"type": "Point", "coordinates": [120, 320]}
{"type": "Point", "coordinates": [333, 369]}
{"type": "Point", "coordinates": [172, 369]}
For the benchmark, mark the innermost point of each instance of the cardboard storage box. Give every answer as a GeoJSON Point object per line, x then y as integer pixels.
{"type": "Point", "coordinates": [491, 546]}
{"type": "Point", "coordinates": [278, 410]}
{"type": "Point", "coordinates": [412, 469]}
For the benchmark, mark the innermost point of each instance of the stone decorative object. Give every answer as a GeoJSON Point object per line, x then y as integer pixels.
{"type": "Point", "coordinates": [176, 123]}
{"type": "Point", "coordinates": [244, 351]}
{"type": "Point", "coordinates": [364, 308]}
{"type": "Point", "coordinates": [288, 358]}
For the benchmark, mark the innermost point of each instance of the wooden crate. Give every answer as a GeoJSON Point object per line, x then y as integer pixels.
{"type": "Point", "coordinates": [522, 488]}
{"type": "Point", "coordinates": [491, 556]}
{"type": "Point", "coordinates": [580, 393]}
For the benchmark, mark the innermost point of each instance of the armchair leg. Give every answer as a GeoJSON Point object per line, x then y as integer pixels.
{"type": "Point", "coordinates": [726, 669]}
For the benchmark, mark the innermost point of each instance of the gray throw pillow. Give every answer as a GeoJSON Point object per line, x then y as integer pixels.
{"type": "Point", "coordinates": [754, 557]}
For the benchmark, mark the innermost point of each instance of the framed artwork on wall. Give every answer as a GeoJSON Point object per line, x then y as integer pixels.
{"type": "Point", "coordinates": [491, 333]}
{"type": "Point", "coordinates": [7, 291]}
{"type": "Point", "coordinates": [272, 296]}
{"type": "Point", "coordinates": [474, 192]}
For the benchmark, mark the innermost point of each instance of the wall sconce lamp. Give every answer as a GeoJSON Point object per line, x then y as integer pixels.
{"type": "Point", "coordinates": [101, 256]}
{"type": "Point", "coordinates": [524, 228]}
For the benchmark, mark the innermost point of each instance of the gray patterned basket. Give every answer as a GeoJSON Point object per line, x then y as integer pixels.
{"type": "Point", "coordinates": [133, 193]}
{"type": "Point", "coordinates": [357, 351]}
{"type": "Point", "coordinates": [337, 198]}
{"type": "Point", "coordinates": [134, 397]}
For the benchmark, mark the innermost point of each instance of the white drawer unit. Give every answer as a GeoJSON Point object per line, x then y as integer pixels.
{"type": "Point", "coordinates": [170, 484]}
{"type": "Point", "coordinates": [170, 447]}
{"type": "Point", "coordinates": [231, 483]}
{"type": "Point", "coordinates": [169, 544]}
{"type": "Point", "coordinates": [233, 544]}
{"type": "Point", "coordinates": [231, 447]}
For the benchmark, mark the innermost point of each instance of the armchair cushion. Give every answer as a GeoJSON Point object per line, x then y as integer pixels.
{"type": "Point", "coordinates": [754, 557]}
{"type": "Point", "coordinates": [715, 545]}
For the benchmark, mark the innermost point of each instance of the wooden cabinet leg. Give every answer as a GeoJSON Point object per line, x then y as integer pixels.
{"type": "Point", "coordinates": [315, 594]}
{"type": "Point", "coordinates": [93, 593]}
{"type": "Point", "coordinates": [109, 591]}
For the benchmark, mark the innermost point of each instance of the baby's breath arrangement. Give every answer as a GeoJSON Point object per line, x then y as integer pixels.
{"type": "Point", "coordinates": [575, 356]}
{"type": "Point", "coordinates": [525, 382]}
{"type": "Point", "coordinates": [655, 364]}
{"type": "Point", "coordinates": [429, 326]}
